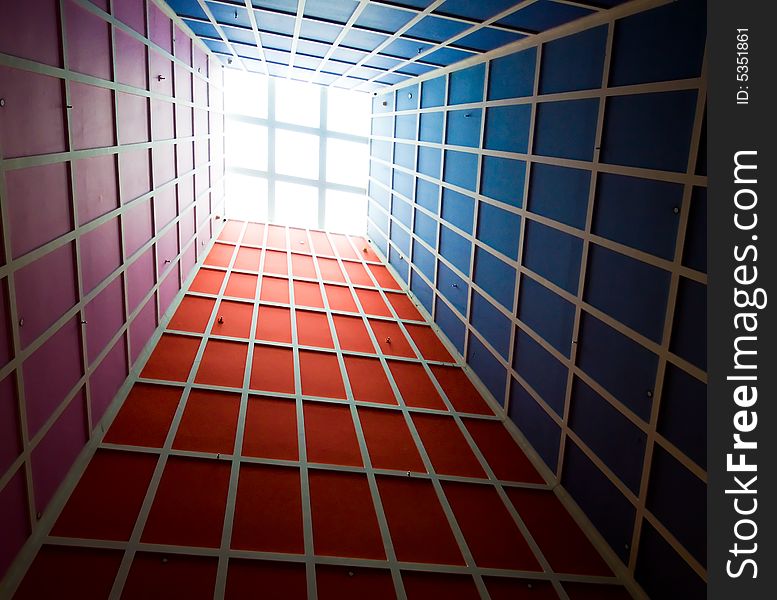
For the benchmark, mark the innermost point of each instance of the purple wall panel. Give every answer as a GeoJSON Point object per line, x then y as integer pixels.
{"type": "Point", "coordinates": [6, 345]}
{"type": "Point", "coordinates": [37, 305]}
{"type": "Point", "coordinates": [164, 207]}
{"type": "Point", "coordinates": [167, 291]}
{"type": "Point", "coordinates": [167, 249]}
{"type": "Point", "coordinates": [50, 373]}
{"type": "Point", "coordinates": [88, 42]}
{"type": "Point", "coordinates": [199, 60]}
{"type": "Point", "coordinates": [161, 72]}
{"type": "Point", "coordinates": [14, 519]}
{"type": "Point", "coordinates": [92, 116]}
{"type": "Point", "coordinates": [30, 29]}
{"type": "Point", "coordinates": [160, 27]}
{"type": "Point", "coordinates": [184, 121]}
{"type": "Point", "coordinates": [162, 127]}
{"type": "Point", "coordinates": [183, 83]}
{"type": "Point", "coordinates": [138, 226]}
{"type": "Point", "coordinates": [53, 457]}
{"type": "Point", "coordinates": [188, 259]}
{"type": "Point", "coordinates": [135, 174]}
{"type": "Point", "coordinates": [185, 157]}
{"type": "Point", "coordinates": [164, 163]}
{"type": "Point", "coordinates": [96, 188]}
{"type": "Point", "coordinates": [200, 121]}
{"type": "Point", "coordinates": [10, 443]}
{"type": "Point", "coordinates": [200, 92]}
{"type": "Point", "coordinates": [142, 328]}
{"type": "Point", "coordinates": [132, 13]}
{"type": "Point", "coordinates": [101, 3]}
{"type": "Point", "coordinates": [130, 60]}
{"type": "Point", "coordinates": [202, 175]}
{"type": "Point", "coordinates": [186, 226]}
{"type": "Point", "coordinates": [104, 316]}
{"type": "Point", "coordinates": [133, 118]}
{"type": "Point", "coordinates": [183, 46]}
{"type": "Point", "coordinates": [100, 254]}
{"type": "Point", "coordinates": [107, 379]}
{"type": "Point", "coordinates": [32, 192]}
{"type": "Point", "coordinates": [140, 279]}
{"type": "Point", "coordinates": [32, 120]}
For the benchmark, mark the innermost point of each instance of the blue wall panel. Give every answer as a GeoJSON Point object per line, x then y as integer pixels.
{"type": "Point", "coordinates": [422, 291]}
{"type": "Point", "coordinates": [401, 211]}
{"type": "Point", "coordinates": [491, 323]}
{"type": "Point", "coordinates": [461, 169]}
{"type": "Point", "coordinates": [566, 128]}
{"type": "Point", "coordinates": [512, 76]}
{"type": "Point", "coordinates": [541, 370]}
{"type": "Point", "coordinates": [431, 127]}
{"type": "Point", "coordinates": [403, 183]}
{"type": "Point", "coordinates": [453, 287]}
{"type": "Point", "coordinates": [574, 62]}
{"type": "Point", "coordinates": [507, 128]}
{"type": "Point", "coordinates": [458, 209]}
{"type": "Point", "coordinates": [399, 263]}
{"type": "Point", "coordinates": [383, 126]}
{"type": "Point", "coordinates": [380, 194]}
{"type": "Point", "coordinates": [682, 419]}
{"type": "Point", "coordinates": [404, 155]}
{"type": "Point", "coordinates": [424, 260]}
{"type": "Point", "coordinates": [380, 149]}
{"type": "Point", "coordinates": [661, 572]}
{"type": "Point", "coordinates": [496, 277]}
{"type": "Point", "coordinates": [466, 85]}
{"type": "Point", "coordinates": [378, 238]}
{"type": "Point", "coordinates": [463, 128]}
{"type": "Point", "coordinates": [452, 326]}
{"type": "Point", "coordinates": [380, 172]}
{"type": "Point", "coordinates": [407, 97]}
{"type": "Point", "coordinates": [560, 193]}
{"type": "Point", "coordinates": [546, 313]}
{"type": "Point", "coordinates": [538, 427]}
{"type": "Point", "coordinates": [427, 194]}
{"type": "Point", "coordinates": [380, 217]}
{"type": "Point", "coordinates": [499, 229]}
{"type": "Point", "coordinates": [695, 250]}
{"type": "Point", "coordinates": [406, 126]}
{"type": "Point", "coordinates": [425, 227]}
{"type": "Point", "coordinates": [401, 238]}
{"type": "Point", "coordinates": [503, 179]}
{"type": "Point", "coordinates": [429, 160]}
{"type": "Point", "coordinates": [488, 368]}
{"type": "Point", "coordinates": [689, 331]}
{"type": "Point", "coordinates": [553, 254]}
{"type": "Point", "coordinates": [455, 248]}
{"type": "Point", "coordinates": [433, 92]}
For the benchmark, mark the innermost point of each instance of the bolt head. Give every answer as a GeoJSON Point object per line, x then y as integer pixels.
{"type": "Point", "coordinates": [2, 101]}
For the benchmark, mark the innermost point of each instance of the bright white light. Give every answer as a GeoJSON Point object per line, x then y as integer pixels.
{"type": "Point", "coordinates": [347, 162]}
{"type": "Point", "coordinates": [296, 154]}
{"type": "Point", "coordinates": [246, 197]}
{"type": "Point", "coordinates": [297, 102]}
{"type": "Point", "coordinates": [246, 145]}
{"type": "Point", "coordinates": [245, 93]}
{"type": "Point", "coordinates": [346, 212]}
{"type": "Point", "coordinates": [296, 205]}
{"type": "Point", "coordinates": [348, 112]}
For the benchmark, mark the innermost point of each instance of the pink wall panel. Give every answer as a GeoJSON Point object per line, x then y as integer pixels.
{"type": "Point", "coordinates": [37, 305]}
{"type": "Point", "coordinates": [163, 163]}
{"type": "Point", "coordinates": [142, 328]}
{"type": "Point", "coordinates": [138, 226]}
{"type": "Point", "coordinates": [52, 458]}
{"type": "Point", "coordinates": [161, 73]}
{"type": "Point", "coordinates": [96, 188]}
{"type": "Point", "coordinates": [100, 254]}
{"type": "Point", "coordinates": [135, 174]}
{"type": "Point", "coordinates": [133, 118]}
{"type": "Point", "coordinates": [6, 345]}
{"type": "Point", "coordinates": [91, 116]}
{"type": "Point", "coordinates": [186, 226]}
{"type": "Point", "coordinates": [104, 316]}
{"type": "Point", "coordinates": [130, 60]}
{"type": "Point", "coordinates": [167, 250]}
{"type": "Point", "coordinates": [50, 373]}
{"type": "Point", "coordinates": [201, 153]}
{"type": "Point", "coordinates": [140, 279]}
{"type": "Point", "coordinates": [10, 443]}
{"type": "Point", "coordinates": [162, 127]}
{"type": "Point", "coordinates": [184, 121]}
{"type": "Point", "coordinates": [88, 42]}
{"type": "Point", "coordinates": [199, 60]}
{"type": "Point", "coordinates": [188, 259]}
{"type": "Point", "coordinates": [132, 13]}
{"type": "Point", "coordinates": [32, 120]}
{"type": "Point", "coordinates": [183, 84]}
{"type": "Point", "coordinates": [185, 157]}
{"type": "Point", "coordinates": [107, 379]}
{"type": "Point", "coordinates": [200, 121]}
{"type": "Point", "coordinates": [30, 29]}
{"type": "Point", "coordinates": [164, 206]}
{"type": "Point", "coordinates": [167, 291]}
{"type": "Point", "coordinates": [14, 519]}
{"type": "Point", "coordinates": [200, 92]}
{"type": "Point", "coordinates": [32, 192]}
{"type": "Point", "coordinates": [183, 46]}
{"type": "Point", "coordinates": [101, 3]}
{"type": "Point", "coordinates": [160, 28]}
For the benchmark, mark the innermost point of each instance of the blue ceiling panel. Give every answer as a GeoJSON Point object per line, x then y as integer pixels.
{"type": "Point", "coordinates": [321, 32]}
{"type": "Point", "coordinates": [487, 39]}
{"type": "Point", "coordinates": [240, 35]}
{"type": "Point", "coordinates": [477, 11]}
{"type": "Point", "coordinates": [436, 29]}
{"type": "Point", "coordinates": [363, 40]}
{"type": "Point", "coordinates": [274, 22]}
{"type": "Point", "coordinates": [287, 6]}
{"type": "Point", "coordinates": [331, 10]}
{"type": "Point", "coordinates": [446, 56]}
{"type": "Point", "coordinates": [203, 30]}
{"type": "Point", "coordinates": [405, 48]}
{"type": "Point", "coordinates": [187, 8]}
{"type": "Point", "coordinates": [229, 15]}
{"type": "Point", "coordinates": [544, 15]}
{"type": "Point", "coordinates": [311, 48]}
{"type": "Point", "coordinates": [383, 18]}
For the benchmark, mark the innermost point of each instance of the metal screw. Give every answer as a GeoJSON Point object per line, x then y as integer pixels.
{"type": "Point", "coordinates": [410, 94]}
{"type": "Point", "coordinates": [21, 322]}
{"type": "Point", "coordinates": [167, 260]}
{"type": "Point", "coordinates": [420, 50]}
{"type": "Point", "coordinates": [69, 106]}
{"type": "Point", "coordinates": [350, 573]}
{"type": "Point", "coordinates": [388, 340]}
{"type": "Point", "coordinates": [676, 210]}
{"type": "Point", "coordinates": [455, 285]}
{"type": "Point", "coordinates": [467, 115]}
{"type": "Point", "coordinates": [384, 103]}
{"type": "Point", "coordinates": [84, 321]}
{"type": "Point", "coordinates": [2, 102]}
{"type": "Point", "coordinates": [160, 77]}
{"type": "Point", "coordinates": [408, 473]}
{"type": "Point", "coordinates": [164, 559]}
{"type": "Point", "coordinates": [221, 319]}
{"type": "Point", "coordinates": [650, 393]}
{"type": "Point", "coordinates": [38, 515]}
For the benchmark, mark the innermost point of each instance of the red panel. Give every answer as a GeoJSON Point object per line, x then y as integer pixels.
{"type": "Point", "coordinates": [372, 303]}
{"type": "Point", "coordinates": [313, 329]}
{"type": "Point", "coordinates": [428, 343]}
{"type": "Point", "coordinates": [192, 314]}
{"type": "Point", "coordinates": [414, 384]}
{"type": "Point", "coordinates": [352, 334]}
{"type": "Point", "coordinates": [383, 277]}
{"type": "Point", "coordinates": [344, 521]}
{"type": "Point", "coordinates": [277, 580]}
{"type": "Point", "coordinates": [447, 448]}
{"type": "Point", "coordinates": [160, 576]}
{"type": "Point", "coordinates": [241, 285]}
{"type": "Point", "coordinates": [209, 422]}
{"type": "Point", "coordinates": [389, 441]}
{"type": "Point", "coordinates": [404, 307]}
{"type": "Point", "coordinates": [353, 583]}
{"type": "Point", "coordinates": [273, 369]}
{"type": "Point", "coordinates": [330, 436]}
{"type": "Point", "coordinates": [274, 290]}
{"type": "Point", "coordinates": [460, 391]}
{"type": "Point", "coordinates": [200, 486]}
{"type": "Point", "coordinates": [133, 118]}
{"type": "Point", "coordinates": [302, 266]}
{"type": "Point", "coordinates": [172, 358]}
{"type": "Point", "coordinates": [277, 527]}
{"type": "Point", "coordinates": [343, 246]}
{"type": "Point", "coordinates": [275, 263]}
{"type": "Point", "coordinates": [231, 232]}
{"type": "Point", "coordinates": [492, 536]}
{"type": "Point", "coordinates": [363, 246]}
{"type": "Point", "coordinates": [31, 30]}
{"type": "Point", "coordinates": [330, 270]}
{"type": "Point", "coordinates": [560, 539]}
{"type": "Point", "coordinates": [223, 364]}
{"type": "Point", "coordinates": [420, 586]}
{"type": "Point", "coordinates": [248, 259]}
{"type": "Point", "coordinates": [145, 416]}
{"type": "Point", "coordinates": [592, 591]}
{"type": "Point", "coordinates": [276, 237]}
{"type": "Point", "coordinates": [391, 340]}
{"type": "Point", "coordinates": [220, 255]}
{"type": "Point", "coordinates": [107, 499]}
{"type": "Point", "coordinates": [207, 281]}
{"type": "Point", "coordinates": [504, 456]}
{"type": "Point", "coordinates": [508, 588]}
{"type": "Point", "coordinates": [357, 273]}
{"type": "Point", "coordinates": [299, 240]}
{"type": "Point", "coordinates": [320, 373]}
{"type": "Point", "coordinates": [368, 380]}
{"type": "Point", "coordinates": [321, 243]}
{"type": "Point", "coordinates": [67, 572]}
{"type": "Point", "coordinates": [308, 294]}
{"type": "Point", "coordinates": [130, 60]}
{"type": "Point", "coordinates": [340, 298]}
{"type": "Point", "coordinates": [271, 429]}
{"type": "Point", "coordinates": [274, 324]}
{"type": "Point", "coordinates": [233, 319]}
{"type": "Point", "coordinates": [88, 42]}
{"type": "Point", "coordinates": [254, 234]}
